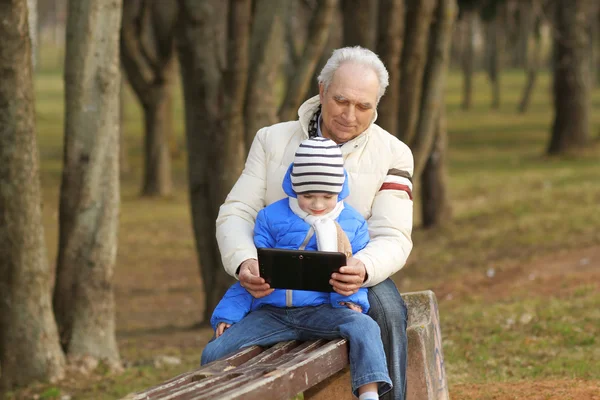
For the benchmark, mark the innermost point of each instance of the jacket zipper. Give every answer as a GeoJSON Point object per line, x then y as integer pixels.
{"type": "Point", "coordinates": [288, 292]}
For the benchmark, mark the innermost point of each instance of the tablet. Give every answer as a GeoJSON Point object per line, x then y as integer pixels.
{"type": "Point", "coordinates": [299, 269]}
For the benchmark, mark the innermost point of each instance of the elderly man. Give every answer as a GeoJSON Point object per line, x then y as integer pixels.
{"type": "Point", "coordinates": [379, 168]}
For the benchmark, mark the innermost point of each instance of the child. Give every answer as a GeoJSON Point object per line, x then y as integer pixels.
{"type": "Point", "coordinates": [313, 217]}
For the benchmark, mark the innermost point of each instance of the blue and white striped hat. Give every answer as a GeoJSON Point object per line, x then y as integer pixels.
{"type": "Point", "coordinates": [318, 167]}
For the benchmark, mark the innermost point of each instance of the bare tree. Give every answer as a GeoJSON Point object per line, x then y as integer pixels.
{"type": "Point", "coordinates": [570, 129]}
{"type": "Point", "coordinates": [217, 44]}
{"type": "Point", "coordinates": [389, 47]}
{"type": "Point", "coordinates": [299, 82]}
{"type": "Point", "coordinates": [493, 16]}
{"type": "Point", "coordinates": [434, 83]}
{"type": "Point", "coordinates": [419, 15]}
{"type": "Point", "coordinates": [89, 196]}
{"type": "Point", "coordinates": [435, 203]}
{"type": "Point", "coordinates": [469, 18]}
{"type": "Point", "coordinates": [29, 347]}
{"type": "Point", "coordinates": [32, 13]}
{"type": "Point", "coordinates": [534, 56]}
{"type": "Point", "coordinates": [360, 17]}
{"type": "Point", "coordinates": [147, 54]}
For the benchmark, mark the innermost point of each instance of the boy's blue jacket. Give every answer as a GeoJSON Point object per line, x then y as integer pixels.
{"type": "Point", "coordinates": [278, 227]}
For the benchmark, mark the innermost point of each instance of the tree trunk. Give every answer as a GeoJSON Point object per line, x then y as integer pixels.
{"type": "Point", "coordinates": [435, 203]}
{"type": "Point", "coordinates": [434, 84]}
{"type": "Point", "coordinates": [571, 77]}
{"type": "Point", "coordinates": [533, 58]}
{"type": "Point", "coordinates": [266, 57]}
{"type": "Point", "coordinates": [468, 60]}
{"type": "Point", "coordinates": [335, 37]}
{"type": "Point", "coordinates": [29, 346]}
{"type": "Point", "coordinates": [158, 127]}
{"type": "Point", "coordinates": [298, 85]}
{"type": "Point", "coordinates": [32, 12]}
{"type": "Point", "coordinates": [123, 153]}
{"type": "Point", "coordinates": [389, 48]}
{"type": "Point", "coordinates": [414, 58]}
{"type": "Point", "coordinates": [202, 34]}
{"type": "Point", "coordinates": [89, 197]}
{"type": "Point", "coordinates": [147, 54]}
{"type": "Point", "coordinates": [493, 33]}
{"type": "Point", "coordinates": [359, 24]}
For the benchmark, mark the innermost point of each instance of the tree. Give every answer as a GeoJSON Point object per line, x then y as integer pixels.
{"type": "Point", "coordinates": [89, 195]}
{"type": "Point", "coordinates": [390, 40]}
{"type": "Point", "coordinates": [533, 60]}
{"type": "Point", "coordinates": [32, 13]}
{"type": "Point", "coordinates": [217, 44]}
{"type": "Point", "coordinates": [148, 57]}
{"type": "Point", "coordinates": [571, 62]}
{"type": "Point", "coordinates": [493, 15]}
{"type": "Point", "coordinates": [363, 14]}
{"type": "Point", "coordinates": [468, 20]}
{"type": "Point", "coordinates": [419, 15]}
{"type": "Point", "coordinates": [29, 348]}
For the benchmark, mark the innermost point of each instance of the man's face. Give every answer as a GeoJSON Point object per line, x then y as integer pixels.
{"type": "Point", "coordinates": [317, 203]}
{"type": "Point", "coordinates": [348, 105]}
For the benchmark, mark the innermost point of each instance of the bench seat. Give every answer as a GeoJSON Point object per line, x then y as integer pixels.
{"type": "Point", "coordinates": [319, 368]}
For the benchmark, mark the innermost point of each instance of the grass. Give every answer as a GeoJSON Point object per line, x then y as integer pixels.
{"type": "Point", "coordinates": [513, 208]}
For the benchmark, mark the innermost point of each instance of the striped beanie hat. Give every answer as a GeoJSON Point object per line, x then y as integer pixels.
{"type": "Point", "coordinates": [318, 167]}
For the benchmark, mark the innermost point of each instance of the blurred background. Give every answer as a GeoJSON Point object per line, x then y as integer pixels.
{"type": "Point", "coordinates": [498, 99]}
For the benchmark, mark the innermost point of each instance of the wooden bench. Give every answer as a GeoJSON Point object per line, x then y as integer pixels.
{"type": "Point", "coordinates": [319, 369]}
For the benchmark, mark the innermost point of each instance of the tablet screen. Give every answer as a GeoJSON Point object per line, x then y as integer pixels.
{"type": "Point", "coordinates": [299, 269]}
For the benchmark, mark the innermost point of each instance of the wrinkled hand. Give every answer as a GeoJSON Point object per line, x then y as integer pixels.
{"type": "Point", "coordinates": [222, 327]}
{"type": "Point", "coordinates": [250, 279]}
{"type": "Point", "coordinates": [350, 278]}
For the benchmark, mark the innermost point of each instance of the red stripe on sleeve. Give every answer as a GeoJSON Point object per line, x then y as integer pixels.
{"type": "Point", "coordinates": [397, 186]}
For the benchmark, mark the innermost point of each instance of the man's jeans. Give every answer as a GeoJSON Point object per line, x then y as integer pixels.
{"type": "Point", "coordinates": [269, 325]}
{"type": "Point", "coordinates": [389, 311]}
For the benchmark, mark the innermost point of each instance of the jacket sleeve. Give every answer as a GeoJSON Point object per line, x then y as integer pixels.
{"type": "Point", "coordinates": [234, 306]}
{"type": "Point", "coordinates": [235, 222]}
{"type": "Point", "coordinates": [390, 223]}
{"type": "Point", "coordinates": [361, 237]}
{"type": "Point", "coordinates": [262, 232]}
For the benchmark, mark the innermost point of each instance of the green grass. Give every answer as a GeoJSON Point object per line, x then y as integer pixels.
{"type": "Point", "coordinates": [511, 204]}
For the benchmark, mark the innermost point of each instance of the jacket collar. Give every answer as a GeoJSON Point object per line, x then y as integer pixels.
{"type": "Point", "coordinates": [308, 108]}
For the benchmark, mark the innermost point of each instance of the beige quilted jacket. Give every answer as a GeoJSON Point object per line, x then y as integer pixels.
{"type": "Point", "coordinates": [379, 167]}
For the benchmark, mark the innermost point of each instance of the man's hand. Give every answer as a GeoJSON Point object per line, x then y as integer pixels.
{"type": "Point", "coordinates": [350, 278]}
{"type": "Point", "coordinates": [250, 279]}
{"type": "Point", "coordinates": [221, 328]}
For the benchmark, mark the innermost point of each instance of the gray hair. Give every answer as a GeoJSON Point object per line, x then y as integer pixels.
{"type": "Point", "coordinates": [355, 55]}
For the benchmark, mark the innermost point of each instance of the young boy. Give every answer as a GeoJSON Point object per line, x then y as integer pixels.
{"type": "Point", "coordinates": [313, 217]}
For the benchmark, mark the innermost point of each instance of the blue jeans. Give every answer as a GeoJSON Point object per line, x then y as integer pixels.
{"type": "Point", "coordinates": [269, 325]}
{"type": "Point", "coordinates": [389, 311]}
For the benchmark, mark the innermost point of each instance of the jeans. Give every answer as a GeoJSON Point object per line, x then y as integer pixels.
{"type": "Point", "coordinates": [389, 311]}
{"type": "Point", "coordinates": [269, 325]}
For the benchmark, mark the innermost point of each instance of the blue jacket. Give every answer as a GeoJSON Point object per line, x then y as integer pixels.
{"type": "Point", "coordinates": [278, 227]}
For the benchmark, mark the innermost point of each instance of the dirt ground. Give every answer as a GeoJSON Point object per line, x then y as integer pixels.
{"type": "Point", "coordinates": [159, 314]}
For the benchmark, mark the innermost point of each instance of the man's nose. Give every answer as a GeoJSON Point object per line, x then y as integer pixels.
{"type": "Point", "coordinates": [350, 113]}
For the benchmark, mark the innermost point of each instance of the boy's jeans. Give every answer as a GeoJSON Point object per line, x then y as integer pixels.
{"type": "Point", "coordinates": [269, 325]}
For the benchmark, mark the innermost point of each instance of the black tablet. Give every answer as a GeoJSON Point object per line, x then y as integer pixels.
{"type": "Point", "coordinates": [299, 269]}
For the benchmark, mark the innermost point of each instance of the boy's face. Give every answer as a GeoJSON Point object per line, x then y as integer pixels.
{"type": "Point", "coordinates": [317, 203]}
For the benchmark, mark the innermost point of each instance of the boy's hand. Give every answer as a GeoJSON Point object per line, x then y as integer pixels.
{"type": "Point", "coordinates": [251, 281]}
{"type": "Point", "coordinates": [350, 278]}
{"type": "Point", "coordinates": [221, 328]}
{"type": "Point", "coordinates": [352, 306]}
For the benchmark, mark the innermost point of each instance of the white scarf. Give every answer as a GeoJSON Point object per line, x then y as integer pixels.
{"type": "Point", "coordinates": [323, 225]}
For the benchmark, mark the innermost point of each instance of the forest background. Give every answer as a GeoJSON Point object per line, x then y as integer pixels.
{"type": "Point", "coordinates": [510, 246]}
